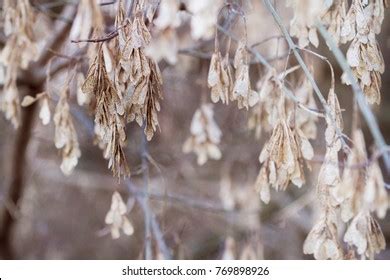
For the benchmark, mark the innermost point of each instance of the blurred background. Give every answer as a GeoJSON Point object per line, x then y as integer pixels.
{"type": "Point", "coordinates": [204, 212]}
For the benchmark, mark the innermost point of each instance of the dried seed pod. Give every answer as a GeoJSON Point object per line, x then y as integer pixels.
{"type": "Point", "coordinates": [65, 137]}
{"type": "Point", "coordinates": [265, 114]}
{"type": "Point", "coordinates": [363, 17]}
{"type": "Point", "coordinates": [205, 135]}
{"type": "Point", "coordinates": [302, 25]}
{"type": "Point", "coordinates": [10, 102]}
{"type": "Point", "coordinates": [132, 67]}
{"type": "Point", "coordinates": [242, 92]}
{"type": "Point", "coordinates": [329, 175]}
{"type": "Point", "coordinates": [145, 103]}
{"type": "Point", "coordinates": [322, 240]}
{"type": "Point", "coordinates": [333, 18]}
{"type": "Point", "coordinates": [151, 104]}
{"type": "Point", "coordinates": [375, 194]}
{"type": "Point", "coordinates": [19, 50]}
{"type": "Point", "coordinates": [116, 217]}
{"type": "Point", "coordinates": [366, 61]}
{"type": "Point", "coordinates": [220, 79]}
{"type": "Point", "coordinates": [144, 91]}
{"type": "Point", "coordinates": [44, 112]}
{"type": "Point", "coordinates": [366, 235]}
{"type": "Point", "coordinates": [364, 20]}
{"type": "Point", "coordinates": [361, 187]}
{"type": "Point", "coordinates": [262, 185]}
{"type": "Point", "coordinates": [348, 192]}
{"type": "Point", "coordinates": [282, 158]}
{"type": "Point", "coordinates": [109, 115]}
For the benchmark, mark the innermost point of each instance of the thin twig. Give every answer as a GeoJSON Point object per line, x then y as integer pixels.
{"type": "Point", "coordinates": [108, 37]}
{"type": "Point", "coordinates": [266, 40]}
{"type": "Point", "coordinates": [145, 168]}
{"type": "Point", "coordinates": [159, 237]}
{"type": "Point", "coordinates": [107, 3]}
{"type": "Point", "coordinates": [194, 52]}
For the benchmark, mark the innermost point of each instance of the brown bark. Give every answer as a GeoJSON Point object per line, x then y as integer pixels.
{"type": "Point", "coordinates": [16, 184]}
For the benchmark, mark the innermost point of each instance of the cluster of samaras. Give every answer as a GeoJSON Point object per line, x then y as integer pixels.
{"type": "Point", "coordinates": [348, 195]}
{"type": "Point", "coordinates": [19, 50]}
{"type": "Point", "coordinates": [126, 85]}
{"type": "Point", "coordinates": [358, 24]}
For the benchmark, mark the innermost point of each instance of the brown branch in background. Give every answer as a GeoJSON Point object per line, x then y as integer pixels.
{"type": "Point", "coordinates": [108, 37]}
{"type": "Point", "coordinates": [17, 183]}
{"type": "Point", "coordinates": [158, 235]}
{"type": "Point", "coordinates": [60, 36]}
{"type": "Point", "coordinates": [107, 3]}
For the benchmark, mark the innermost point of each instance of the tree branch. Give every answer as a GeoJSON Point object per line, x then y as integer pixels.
{"type": "Point", "coordinates": [145, 202]}
{"type": "Point", "coordinates": [17, 183]}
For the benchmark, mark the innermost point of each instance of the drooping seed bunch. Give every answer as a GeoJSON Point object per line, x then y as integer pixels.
{"type": "Point", "coordinates": [358, 24]}
{"type": "Point", "coordinates": [205, 135]}
{"type": "Point", "coordinates": [126, 84]}
{"type": "Point", "coordinates": [65, 137]}
{"type": "Point", "coordinates": [109, 112]}
{"type": "Point", "coordinates": [220, 78]}
{"type": "Point", "coordinates": [349, 195]}
{"type": "Point", "coordinates": [19, 50]}
{"type": "Point", "coordinates": [283, 156]}
{"type": "Point", "coordinates": [116, 217]}
{"type": "Point", "coordinates": [362, 23]}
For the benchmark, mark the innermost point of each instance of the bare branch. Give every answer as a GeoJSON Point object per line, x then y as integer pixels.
{"type": "Point", "coordinates": [145, 202]}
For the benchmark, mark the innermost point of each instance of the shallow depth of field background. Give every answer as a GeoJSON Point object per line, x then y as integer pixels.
{"type": "Point", "coordinates": [63, 217]}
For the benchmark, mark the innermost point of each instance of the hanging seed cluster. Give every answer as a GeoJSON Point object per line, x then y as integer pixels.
{"type": "Point", "coordinates": [126, 85]}
{"type": "Point", "coordinates": [19, 50]}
